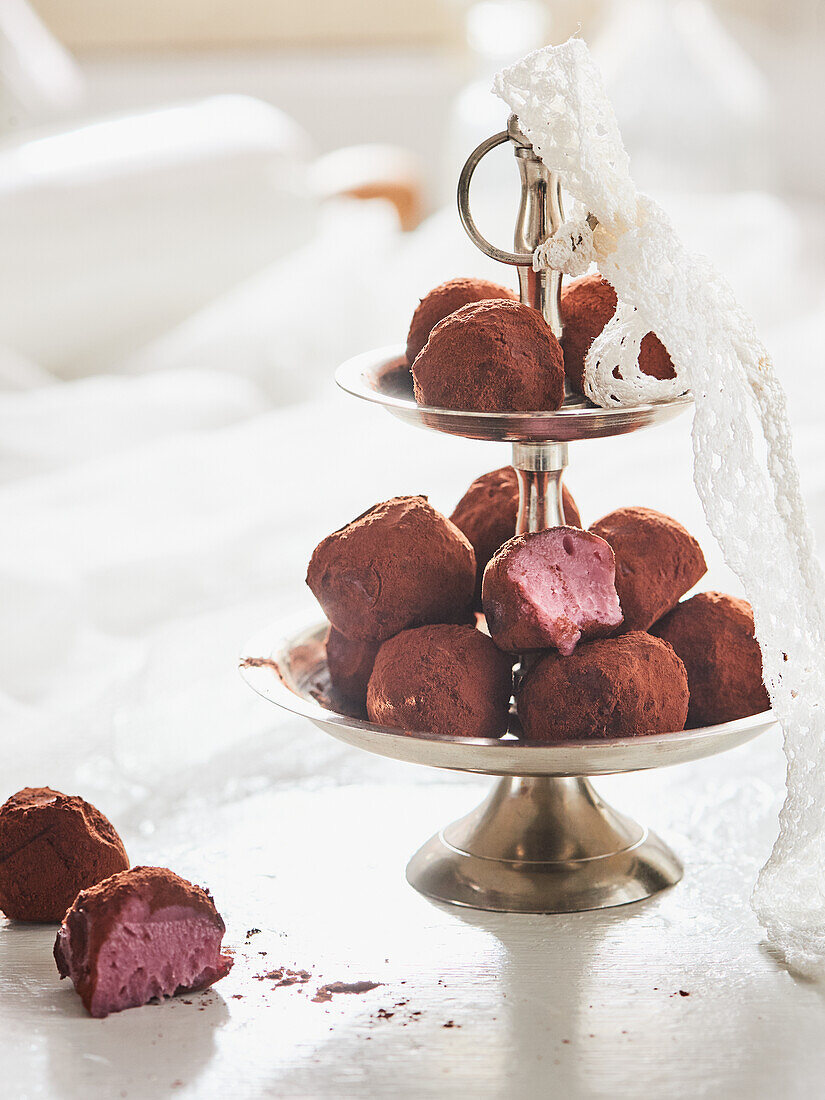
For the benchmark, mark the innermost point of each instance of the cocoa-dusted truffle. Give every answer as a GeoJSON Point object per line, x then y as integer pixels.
{"type": "Point", "coordinates": [614, 687]}
{"type": "Point", "coordinates": [495, 356]}
{"type": "Point", "coordinates": [52, 846]}
{"type": "Point", "coordinates": [550, 588]}
{"type": "Point", "coordinates": [350, 665]}
{"type": "Point", "coordinates": [587, 304]}
{"type": "Point", "coordinates": [488, 511]}
{"type": "Point", "coordinates": [398, 565]}
{"type": "Point", "coordinates": [444, 300]}
{"type": "Point", "coordinates": [448, 680]}
{"type": "Point", "coordinates": [657, 561]}
{"type": "Point", "coordinates": [714, 637]}
{"type": "Point", "coordinates": [139, 935]}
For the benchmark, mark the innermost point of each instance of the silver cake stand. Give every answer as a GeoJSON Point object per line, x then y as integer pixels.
{"type": "Point", "coordinates": [543, 841]}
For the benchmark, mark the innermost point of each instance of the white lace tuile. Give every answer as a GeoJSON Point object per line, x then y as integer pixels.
{"type": "Point", "coordinates": [748, 485]}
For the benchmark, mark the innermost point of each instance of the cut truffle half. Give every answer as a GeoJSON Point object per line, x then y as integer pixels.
{"type": "Point", "coordinates": [550, 589]}
{"type": "Point", "coordinates": [140, 935]}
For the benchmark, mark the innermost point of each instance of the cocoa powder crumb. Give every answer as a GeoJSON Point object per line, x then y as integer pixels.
{"type": "Point", "coordinates": [324, 993]}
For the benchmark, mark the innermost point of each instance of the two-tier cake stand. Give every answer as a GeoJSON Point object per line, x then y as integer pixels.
{"type": "Point", "coordinates": [543, 841]}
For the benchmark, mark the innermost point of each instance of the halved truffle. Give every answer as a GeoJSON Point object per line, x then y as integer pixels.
{"type": "Point", "coordinates": [448, 680]}
{"type": "Point", "coordinates": [494, 356]}
{"type": "Point", "coordinates": [614, 687]}
{"type": "Point", "coordinates": [444, 300]}
{"type": "Point", "coordinates": [657, 562]}
{"type": "Point", "coordinates": [52, 846]}
{"type": "Point", "coordinates": [350, 665]}
{"type": "Point", "coordinates": [400, 564]}
{"type": "Point", "coordinates": [488, 511]}
{"type": "Point", "coordinates": [142, 934]}
{"type": "Point", "coordinates": [713, 635]}
{"type": "Point", "coordinates": [550, 588]}
{"type": "Point", "coordinates": [587, 304]}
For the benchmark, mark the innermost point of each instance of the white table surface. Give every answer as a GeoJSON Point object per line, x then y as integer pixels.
{"type": "Point", "coordinates": [674, 997]}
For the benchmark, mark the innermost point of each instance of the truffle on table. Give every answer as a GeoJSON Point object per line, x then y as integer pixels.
{"type": "Point", "coordinates": [400, 564]}
{"type": "Point", "coordinates": [587, 304]}
{"type": "Point", "coordinates": [494, 356]}
{"type": "Point", "coordinates": [52, 846]}
{"type": "Point", "coordinates": [657, 562]}
{"type": "Point", "coordinates": [350, 665]}
{"type": "Point", "coordinates": [142, 934]}
{"type": "Point", "coordinates": [488, 511]}
{"type": "Point", "coordinates": [448, 680]}
{"type": "Point", "coordinates": [713, 635]}
{"type": "Point", "coordinates": [444, 300]}
{"type": "Point", "coordinates": [550, 588]}
{"type": "Point", "coordinates": [621, 687]}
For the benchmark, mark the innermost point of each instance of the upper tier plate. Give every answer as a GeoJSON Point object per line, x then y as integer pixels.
{"type": "Point", "coordinates": [382, 376]}
{"type": "Point", "coordinates": [291, 671]}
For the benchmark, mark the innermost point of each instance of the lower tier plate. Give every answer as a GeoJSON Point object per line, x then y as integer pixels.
{"type": "Point", "coordinates": [289, 668]}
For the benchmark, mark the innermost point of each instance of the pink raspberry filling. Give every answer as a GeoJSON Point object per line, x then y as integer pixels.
{"type": "Point", "coordinates": [551, 589]}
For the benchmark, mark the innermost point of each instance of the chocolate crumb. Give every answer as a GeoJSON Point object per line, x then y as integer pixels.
{"type": "Point", "coordinates": [252, 932]}
{"type": "Point", "coordinates": [451, 1023]}
{"type": "Point", "coordinates": [260, 662]}
{"type": "Point", "coordinates": [325, 992]}
{"type": "Point", "coordinates": [382, 1014]}
{"type": "Point", "coordinates": [683, 993]}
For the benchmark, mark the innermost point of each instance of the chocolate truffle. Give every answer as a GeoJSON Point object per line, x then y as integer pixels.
{"type": "Point", "coordinates": [52, 846]}
{"type": "Point", "coordinates": [657, 561]}
{"type": "Point", "coordinates": [614, 687]}
{"type": "Point", "coordinates": [444, 300]}
{"type": "Point", "coordinates": [714, 637]}
{"type": "Point", "coordinates": [488, 511]}
{"type": "Point", "coordinates": [587, 304]}
{"type": "Point", "coordinates": [495, 356]}
{"type": "Point", "coordinates": [398, 565]}
{"type": "Point", "coordinates": [350, 665]}
{"type": "Point", "coordinates": [139, 935]}
{"type": "Point", "coordinates": [550, 588]}
{"type": "Point", "coordinates": [447, 680]}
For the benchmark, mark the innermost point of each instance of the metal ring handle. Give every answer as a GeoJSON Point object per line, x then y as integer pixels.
{"type": "Point", "coordinates": [517, 259]}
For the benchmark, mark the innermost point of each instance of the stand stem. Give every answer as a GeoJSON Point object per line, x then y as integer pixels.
{"type": "Point", "coordinates": [543, 845]}
{"type": "Point", "coordinates": [539, 467]}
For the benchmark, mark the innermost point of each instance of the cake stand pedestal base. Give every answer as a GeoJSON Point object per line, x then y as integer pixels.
{"type": "Point", "coordinates": [543, 845]}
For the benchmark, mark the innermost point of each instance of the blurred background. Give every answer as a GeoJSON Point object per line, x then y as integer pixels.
{"type": "Point", "coordinates": [204, 208]}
